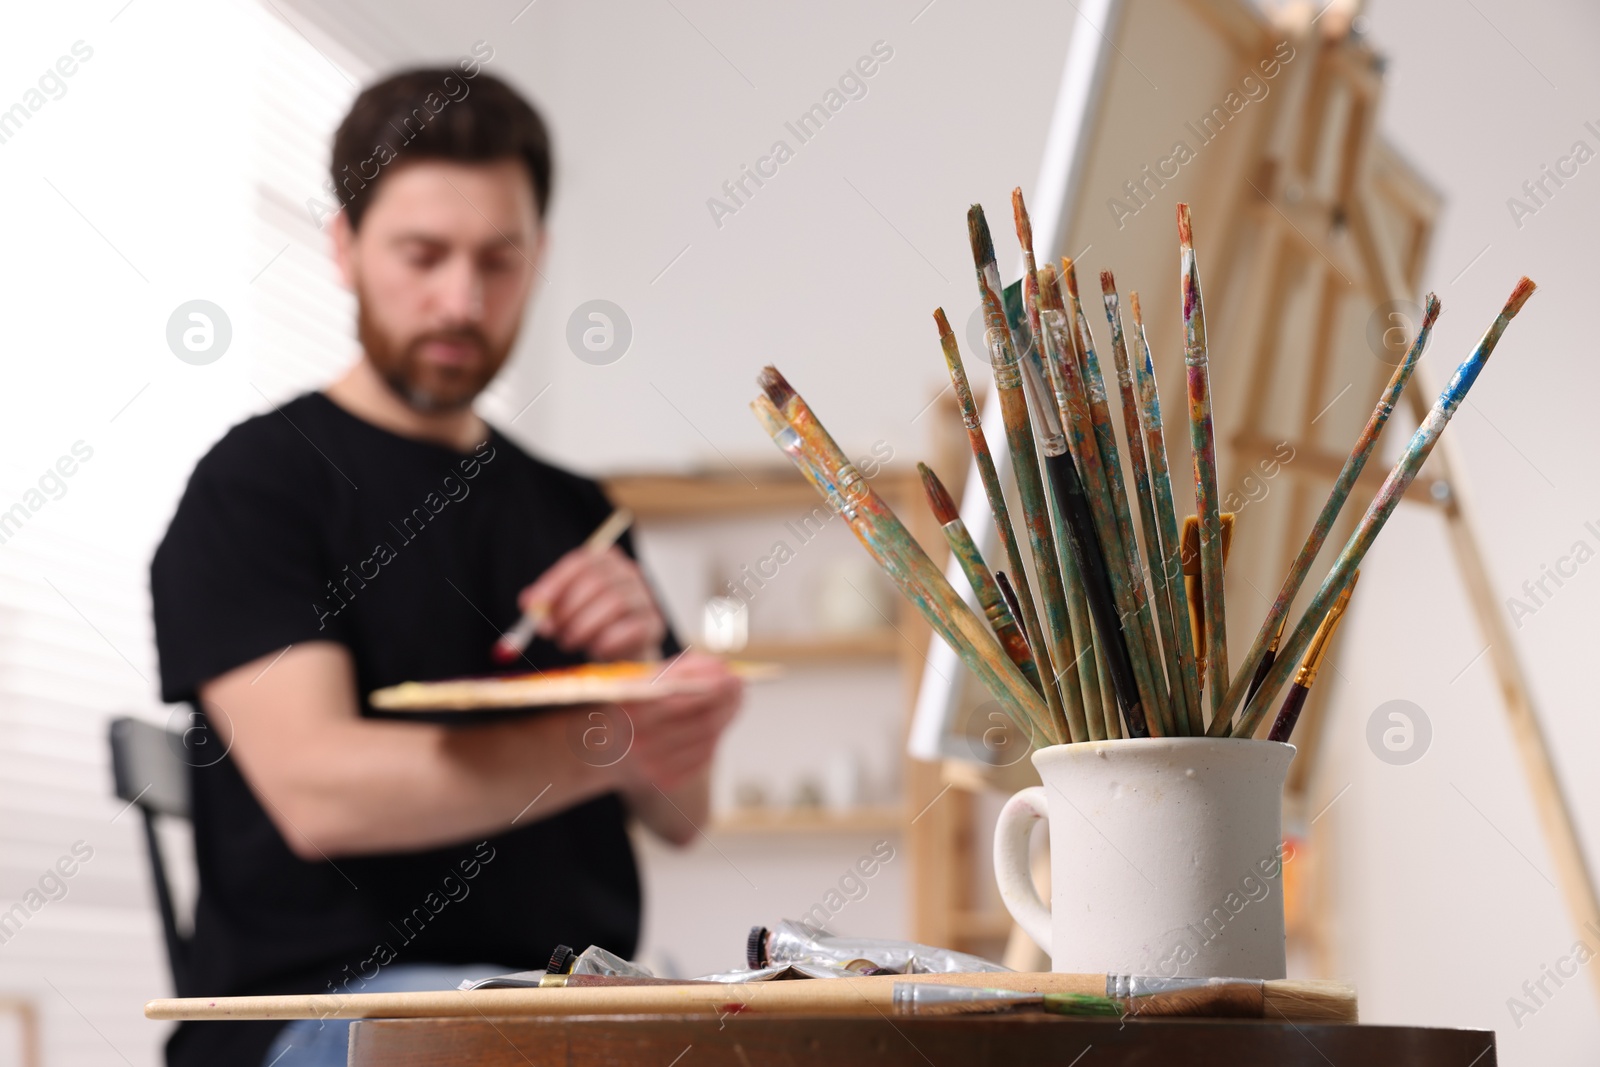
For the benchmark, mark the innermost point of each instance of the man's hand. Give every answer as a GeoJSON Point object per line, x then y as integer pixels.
{"type": "Point", "coordinates": [597, 603]}
{"type": "Point", "coordinates": [674, 739]}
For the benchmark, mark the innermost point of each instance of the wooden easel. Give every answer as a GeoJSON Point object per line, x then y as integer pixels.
{"type": "Point", "coordinates": [1309, 210]}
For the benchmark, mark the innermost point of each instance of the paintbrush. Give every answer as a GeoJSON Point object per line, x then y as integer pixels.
{"type": "Point", "coordinates": [1293, 1000]}
{"type": "Point", "coordinates": [1194, 587]}
{"type": "Point", "coordinates": [1306, 676]}
{"type": "Point", "coordinates": [1025, 465]}
{"type": "Point", "coordinates": [514, 641]}
{"type": "Point", "coordinates": [1169, 559]}
{"type": "Point", "coordinates": [1378, 512]}
{"type": "Point", "coordinates": [1203, 446]}
{"type": "Point", "coordinates": [1101, 723]}
{"type": "Point", "coordinates": [887, 539]}
{"type": "Point", "coordinates": [1079, 687]}
{"type": "Point", "coordinates": [1366, 444]}
{"type": "Point", "coordinates": [990, 477]}
{"type": "Point", "coordinates": [891, 545]}
{"type": "Point", "coordinates": [1167, 652]}
{"type": "Point", "coordinates": [1088, 518]}
{"type": "Point", "coordinates": [1267, 660]}
{"type": "Point", "coordinates": [982, 580]}
{"type": "Point", "coordinates": [1109, 499]}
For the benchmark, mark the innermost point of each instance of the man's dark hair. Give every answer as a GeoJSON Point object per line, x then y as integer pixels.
{"type": "Point", "coordinates": [436, 113]}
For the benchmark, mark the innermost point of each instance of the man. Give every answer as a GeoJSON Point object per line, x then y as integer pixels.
{"type": "Point", "coordinates": [376, 532]}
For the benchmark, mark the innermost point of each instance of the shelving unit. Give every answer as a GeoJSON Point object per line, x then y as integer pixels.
{"type": "Point", "coordinates": [879, 644]}
{"type": "Point", "coordinates": [900, 644]}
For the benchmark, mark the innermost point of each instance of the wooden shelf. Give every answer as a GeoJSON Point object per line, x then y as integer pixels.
{"type": "Point", "coordinates": [883, 643]}
{"type": "Point", "coordinates": [722, 494]}
{"type": "Point", "coordinates": [809, 821]}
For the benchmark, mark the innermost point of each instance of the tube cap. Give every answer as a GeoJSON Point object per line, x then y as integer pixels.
{"type": "Point", "coordinates": [755, 948]}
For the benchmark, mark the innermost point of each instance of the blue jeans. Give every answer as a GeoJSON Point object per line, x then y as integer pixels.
{"type": "Point", "coordinates": [326, 1042]}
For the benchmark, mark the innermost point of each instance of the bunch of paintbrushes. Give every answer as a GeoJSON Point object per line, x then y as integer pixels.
{"type": "Point", "coordinates": [1121, 630]}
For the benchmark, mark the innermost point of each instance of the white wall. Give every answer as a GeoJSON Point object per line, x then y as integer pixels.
{"type": "Point", "coordinates": [1446, 902]}
{"type": "Point", "coordinates": [139, 188]}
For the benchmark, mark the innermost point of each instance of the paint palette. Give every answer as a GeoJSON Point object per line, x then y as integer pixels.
{"type": "Point", "coordinates": [590, 683]}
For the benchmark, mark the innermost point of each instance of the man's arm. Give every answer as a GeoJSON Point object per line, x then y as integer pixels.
{"type": "Point", "coordinates": [336, 784]}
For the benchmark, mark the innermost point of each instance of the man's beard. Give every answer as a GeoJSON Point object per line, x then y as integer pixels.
{"type": "Point", "coordinates": [426, 387]}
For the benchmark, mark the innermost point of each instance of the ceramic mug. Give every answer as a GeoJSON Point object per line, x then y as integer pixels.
{"type": "Point", "coordinates": [1166, 857]}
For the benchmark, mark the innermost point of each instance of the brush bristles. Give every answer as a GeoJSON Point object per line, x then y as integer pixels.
{"type": "Point", "coordinates": [1050, 288]}
{"type": "Point", "coordinates": [1185, 232]}
{"type": "Point", "coordinates": [1430, 310]}
{"type": "Point", "coordinates": [1133, 302]}
{"type": "Point", "coordinates": [944, 508]}
{"type": "Point", "coordinates": [978, 235]}
{"type": "Point", "coordinates": [777, 388]}
{"type": "Point", "coordinates": [1024, 224]}
{"type": "Point", "coordinates": [942, 322]}
{"type": "Point", "coordinates": [1069, 272]}
{"type": "Point", "coordinates": [1189, 552]}
{"type": "Point", "coordinates": [1309, 1001]}
{"type": "Point", "coordinates": [1519, 296]}
{"type": "Point", "coordinates": [1108, 284]}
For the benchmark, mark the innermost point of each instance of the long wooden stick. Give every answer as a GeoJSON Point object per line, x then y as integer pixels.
{"type": "Point", "coordinates": [868, 995]}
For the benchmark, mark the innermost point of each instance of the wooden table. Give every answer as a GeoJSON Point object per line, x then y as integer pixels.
{"type": "Point", "coordinates": [840, 1041]}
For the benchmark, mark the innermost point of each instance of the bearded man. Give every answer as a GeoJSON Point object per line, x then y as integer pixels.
{"type": "Point", "coordinates": [379, 531]}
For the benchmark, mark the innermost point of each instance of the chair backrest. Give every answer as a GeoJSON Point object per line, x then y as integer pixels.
{"type": "Point", "coordinates": [148, 771]}
{"type": "Point", "coordinates": [148, 767]}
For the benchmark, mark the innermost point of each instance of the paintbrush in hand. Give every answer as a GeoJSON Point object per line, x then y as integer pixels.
{"type": "Point", "coordinates": [514, 641]}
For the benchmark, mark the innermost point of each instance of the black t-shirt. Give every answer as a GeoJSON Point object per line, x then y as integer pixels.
{"type": "Point", "coordinates": [309, 524]}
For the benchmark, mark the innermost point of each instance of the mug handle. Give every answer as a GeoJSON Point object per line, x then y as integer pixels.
{"type": "Point", "coordinates": [1011, 867]}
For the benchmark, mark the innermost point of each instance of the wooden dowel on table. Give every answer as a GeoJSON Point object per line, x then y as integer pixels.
{"type": "Point", "coordinates": [870, 995]}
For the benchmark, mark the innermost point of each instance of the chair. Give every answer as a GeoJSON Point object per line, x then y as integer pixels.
{"type": "Point", "coordinates": [149, 771]}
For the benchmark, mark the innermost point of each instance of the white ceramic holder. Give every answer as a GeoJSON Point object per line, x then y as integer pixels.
{"type": "Point", "coordinates": [1166, 856]}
